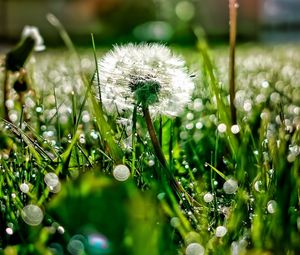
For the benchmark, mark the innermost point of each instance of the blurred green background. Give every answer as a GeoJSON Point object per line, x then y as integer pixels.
{"type": "Point", "coordinates": [151, 20]}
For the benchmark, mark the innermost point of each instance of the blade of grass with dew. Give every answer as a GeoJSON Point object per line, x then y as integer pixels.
{"type": "Point", "coordinates": [222, 109]}
{"type": "Point", "coordinates": [104, 128]}
{"type": "Point", "coordinates": [217, 171]}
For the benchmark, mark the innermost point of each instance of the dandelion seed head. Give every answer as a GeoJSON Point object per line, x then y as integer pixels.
{"type": "Point", "coordinates": [146, 75]}
{"type": "Point", "coordinates": [33, 32]}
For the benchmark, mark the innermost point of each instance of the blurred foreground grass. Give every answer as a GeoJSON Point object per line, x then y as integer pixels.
{"type": "Point", "coordinates": [244, 179]}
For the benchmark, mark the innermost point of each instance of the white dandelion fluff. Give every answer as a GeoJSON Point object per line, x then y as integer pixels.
{"type": "Point", "coordinates": [146, 75]}
{"type": "Point", "coordinates": [33, 32]}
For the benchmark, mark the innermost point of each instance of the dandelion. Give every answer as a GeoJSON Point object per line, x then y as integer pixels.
{"type": "Point", "coordinates": [33, 32]}
{"type": "Point", "coordinates": [15, 59]}
{"type": "Point", "coordinates": [31, 40]}
{"type": "Point", "coordinates": [146, 75]}
{"type": "Point", "coordinates": [149, 79]}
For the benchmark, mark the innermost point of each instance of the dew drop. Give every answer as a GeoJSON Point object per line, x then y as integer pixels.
{"type": "Point", "coordinates": [265, 84]}
{"type": "Point", "coordinates": [75, 247]}
{"type": "Point", "coordinates": [221, 231]}
{"type": "Point", "coordinates": [199, 125]}
{"type": "Point", "coordinates": [151, 162]}
{"type": "Point", "coordinates": [56, 188]}
{"type": "Point", "coordinates": [9, 231]}
{"type": "Point", "coordinates": [230, 186]}
{"type": "Point", "coordinates": [32, 215]}
{"type": "Point", "coordinates": [257, 186]}
{"type": "Point", "coordinates": [161, 196]}
{"type": "Point", "coordinates": [272, 206]}
{"type": "Point", "coordinates": [121, 173]}
{"type": "Point", "coordinates": [51, 179]}
{"type": "Point", "coordinates": [235, 129]}
{"type": "Point", "coordinates": [60, 230]}
{"type": "Point", "coordinates": [208, 197]}
{"type": "Point", "coordinates": [175, 222]}
{"type": "Point", "coordinates": [24, 187]}
{"type": "Point", "coordinates": [194, 249]}
{"type": "Point", "coordinates": [222, 128]}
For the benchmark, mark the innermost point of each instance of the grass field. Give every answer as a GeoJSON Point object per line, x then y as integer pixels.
{"type": "Point", "coordinates": [237, 185]}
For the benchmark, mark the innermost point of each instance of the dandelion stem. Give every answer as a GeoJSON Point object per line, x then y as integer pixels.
{"type": "Point", "coordinates": [5, 93]}
{"type": "Point", "coordinates": [158, 151]}
{"type": "Point", "coordinates": [232, 40]}
{"type": "Point", "coordinates": [154, 140]}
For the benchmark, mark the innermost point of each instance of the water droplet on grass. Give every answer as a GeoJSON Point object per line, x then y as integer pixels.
{"type": "Point", "coordinates": [151, 162]}
{"type": "Point", "coordinates": [75, 247]}
{"type": "Point", "coordinates": [9, 231]}
{"type": "Point", "coordinates": [199, 125]}
{"type": "Point", "coordinates": [32, 215]}
{"type": "Point", "coordinates": [222, 128]}
{"type": "Point", "coordinates": [272, 206]}
{"type": "Point", "coordinates": [60, 230]}
{"type": "Point", "coordinates": [161, 196]}
{"type": "Point", "coordinates": [39, 109]}
{"type": "Point", "coordinates": [235, 129]}
{"type": "Point", "coordinates": [221, 231]}
{"type": "Point", "coordinates": [265, 84]}
{"type": "Point", "coordinates": [51, 179]}
{"type": "Point", "coordinates": [194, 249]}
{"type": "Point", "coordinates": [247, 106]}
{"type": "Point", "coordinates": [175, 222]}
{"type": "Point", "coordinates": [230, 186]}
{"type": "Point", "coordinates": [208, 197]}
{"type": "Point", "coordinates": [24, 187]}
{"type": "Point", "coordinates": [56, 188]}
{"type": "Point", "coordinates": [121, 173]}
{"type": "Point", "coordinates": [258, 185]}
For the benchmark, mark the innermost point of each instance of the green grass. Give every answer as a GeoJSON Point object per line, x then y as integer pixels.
{"type": "Point", "coordinates": [68, 133]}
